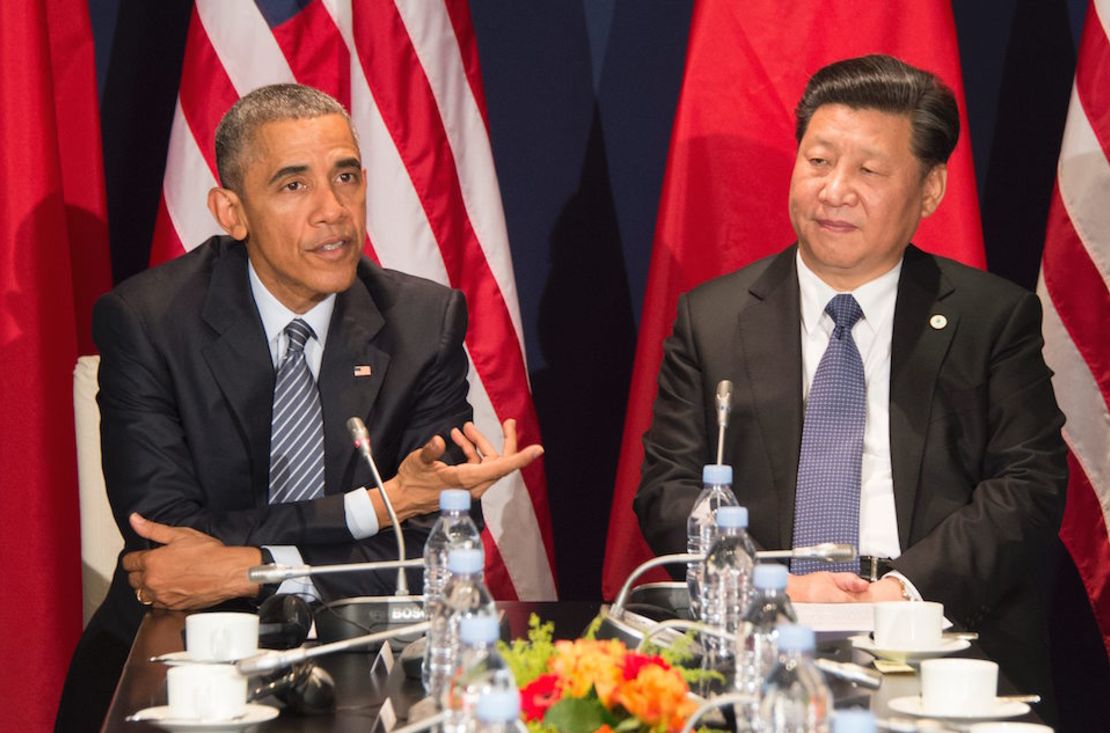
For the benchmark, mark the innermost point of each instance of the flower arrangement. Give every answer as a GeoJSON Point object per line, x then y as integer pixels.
{"type": "Point", "coordinates": [595, 686]}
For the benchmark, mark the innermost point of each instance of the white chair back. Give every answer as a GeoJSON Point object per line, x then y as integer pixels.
{"type": "Point", "coordinates": [101, 541]}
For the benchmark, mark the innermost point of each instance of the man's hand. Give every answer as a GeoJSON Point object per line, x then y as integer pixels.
{"type": "Point", "coordinates": [886, 589]}
{"type": "Point", "coordinates": [421, 476]}
{"type": "Point", "coordinates": [191, 569]}
{"type": "Point", "coordinates": [827, 588]}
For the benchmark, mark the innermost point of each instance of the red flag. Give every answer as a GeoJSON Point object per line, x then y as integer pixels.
{"type": "Point", "coordinates": [408, 73]}
{"type": "Point", "coordinates": [53, 264]}
{"type": "Point", "coordinates": [732, 149]}
{"type": "Point", "coordinates": [1073, 287]}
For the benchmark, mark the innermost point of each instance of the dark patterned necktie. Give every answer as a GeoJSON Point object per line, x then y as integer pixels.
{"type": "Point", "coordinates": [826, 503]}
{"type": "Point", "coordinates": [297, 428]}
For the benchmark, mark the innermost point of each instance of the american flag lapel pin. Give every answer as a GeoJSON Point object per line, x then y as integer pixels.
{"type": "Point", "coordinates": [362, 370]}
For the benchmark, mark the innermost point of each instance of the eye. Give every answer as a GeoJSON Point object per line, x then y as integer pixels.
{"type": "Point", "coordinates": [293, 186]}
{"type": "Point", "coordinates": [818, 162]}
{"type": "Point", "coordinates": [348, 177]}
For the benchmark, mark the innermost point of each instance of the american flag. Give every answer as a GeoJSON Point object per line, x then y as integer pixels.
{"type": "Point", "coordinates": [408, 72]}
{"type": "Point", "coordinates": [1073, 287]}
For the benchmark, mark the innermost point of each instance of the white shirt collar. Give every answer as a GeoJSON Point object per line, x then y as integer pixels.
{"type": "Point", "coordinates": [275, 316]}
{"type": "Point", "coordinates": [876, 298]}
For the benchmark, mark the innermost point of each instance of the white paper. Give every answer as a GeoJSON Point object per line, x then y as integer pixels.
{"type": "Point", "coordinates": [848, 617]}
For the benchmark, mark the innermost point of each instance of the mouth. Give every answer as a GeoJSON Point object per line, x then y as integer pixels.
{"type": "Point", "coordinates": [332, 248]}
{"type": "Point", "coordinates": [836, 226]}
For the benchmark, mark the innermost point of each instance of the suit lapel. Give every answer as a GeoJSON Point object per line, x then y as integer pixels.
{"type": "Point", "coordinates": [923, 331]}
{"type": "Point", "coordinates": [351, 376]}
{"type": "Point", "coordinates": [239, 359]}
{"type": "Point", "coordinates": [770, 348]}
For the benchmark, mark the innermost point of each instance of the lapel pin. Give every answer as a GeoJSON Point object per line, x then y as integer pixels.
{"type": "Point", "coordinates": [362, 370]}
{"type": "Point", "coordinates": [938, 321]}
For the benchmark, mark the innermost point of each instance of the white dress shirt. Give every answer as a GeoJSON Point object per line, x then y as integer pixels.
{"type": "Point", "coordinates": [878, 524]}
{"type": "Point", "coordinates": [362, 522]}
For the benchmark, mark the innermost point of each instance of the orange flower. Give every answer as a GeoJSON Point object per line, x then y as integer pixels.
{"type": "Point", "coordinates": [657, 697]}
{"type": "Point", "coordinates": [604, 729]}
{"type": "Point", "coordinates": [586, 663]}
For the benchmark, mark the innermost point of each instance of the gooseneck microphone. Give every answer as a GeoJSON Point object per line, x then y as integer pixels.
{"type": "Point", "coordinates": [724, 408]}
{"type": "Point", "coordinates": [361, 437]}
{"type": "Point", "coordinates": [270, 661]}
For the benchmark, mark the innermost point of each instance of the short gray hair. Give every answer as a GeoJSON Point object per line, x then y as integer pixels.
{"type": "Point", "coordinates": [271, 103]}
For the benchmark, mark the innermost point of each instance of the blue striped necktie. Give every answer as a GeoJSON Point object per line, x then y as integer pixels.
{"type": "Point", "coordinates": [826, 502]}
{"type": "Point", "coordinates": [297, 427]}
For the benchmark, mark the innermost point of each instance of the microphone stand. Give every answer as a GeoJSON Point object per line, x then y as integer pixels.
{"type": "Point", "coordinates": [270, 661]}
{"type": "Point", "coordinates": [361, 437]}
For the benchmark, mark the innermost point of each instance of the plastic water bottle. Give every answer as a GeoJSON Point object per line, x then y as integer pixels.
{"type": "Point", "coordinates": [481, 669]}
{"type": "Point", "coordinates": [855, 720]}
{"type": "Point", "coordinates": [728, 577]}
{"type": "Point", "coordinates": [795, 698]}
{"type": "Point", "coordinates": [464, 595]}
{"type": "Point", "coordinates": [498, 711]}
{"type": "Point", "coordinates": [701, 527]}
{"type": "Point", "coordinates": [453, 530]}
{"type": "Point", "coordinates": [757, 647]}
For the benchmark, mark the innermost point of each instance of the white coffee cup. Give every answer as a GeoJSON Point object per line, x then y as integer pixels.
{"type": "Point", "coordinates": [206, 692]}
{"type": "Point", "coordinates": [998, 727]}
{"type": "Point", "coordinates": [956, 688]}
{"type": "Point", "coordinates": [221, 637]}
{"type": "Point", "coordinates": [908, 625]}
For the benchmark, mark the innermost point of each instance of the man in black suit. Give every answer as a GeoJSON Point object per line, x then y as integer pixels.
{"type": "Point", "coordinates": [189, 354]}
{"type": "Point", "coordinates": [962, 477]}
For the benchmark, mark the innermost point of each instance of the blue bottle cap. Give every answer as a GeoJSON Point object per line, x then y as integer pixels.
{"type": "Point", "coordinates": [855, 720]}
{"type": "Point", "coordinates": [464, 560]}
{"type": "Point", "coordinates": [715, 473]}
{"type": "Point", "coordinates": [731, 517]}
{"type": "Point", "coordinates": [769, 576]}
{"type": "Point", "coordinates": [499, 706]}
{"type": "Point", "coordinates": [480, 628]}
{"type": "Point", "coordinates": [456, 500]}
{"type": "Point", "coordinates": [795, 638]}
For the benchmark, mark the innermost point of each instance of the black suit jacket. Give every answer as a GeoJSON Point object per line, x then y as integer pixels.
{"type": "Point", "coordinates": [186, 393]}
{"type": "Point", "coordinates": [979, 465]}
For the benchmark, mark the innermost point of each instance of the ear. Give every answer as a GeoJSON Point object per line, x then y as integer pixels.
{"type": "Point", "coordinates": [936, 183]}
{"type": "Point", "coordinates": [227, 208]}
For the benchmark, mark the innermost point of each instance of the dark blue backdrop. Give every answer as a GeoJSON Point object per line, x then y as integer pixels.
{"type": "Point", "coordinates": [581, 95]}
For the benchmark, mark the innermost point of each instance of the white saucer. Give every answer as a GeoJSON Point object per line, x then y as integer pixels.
{"type": "Point", "coordinates": [182, 657]}
{"type": "Point", "coordinates": [253, 714]}
{"type": "Point", "coordinates": [946, 646]}
{"type": "Point", "coordinates": [1002, 709]}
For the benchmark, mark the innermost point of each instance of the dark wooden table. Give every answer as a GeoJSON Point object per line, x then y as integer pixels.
{"type": "Point", "coordinates": [360, 694]}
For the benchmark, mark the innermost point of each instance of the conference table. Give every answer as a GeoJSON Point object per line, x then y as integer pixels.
{"type": "Point", "coordinates": [361, 691]}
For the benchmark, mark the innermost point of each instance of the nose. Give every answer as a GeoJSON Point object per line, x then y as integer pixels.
{"type": "Point", "coordinates": [838, 188]}
{"type": "Point", "coordinates": [329, 207]}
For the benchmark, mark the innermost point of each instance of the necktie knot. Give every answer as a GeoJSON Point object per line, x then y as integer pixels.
{"type": "Point", "coordinates": [298, 332]}
{"type": "Point", "coordinates": [845, 311]}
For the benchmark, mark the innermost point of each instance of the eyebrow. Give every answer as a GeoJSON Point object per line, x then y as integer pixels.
{"type": "Point", "coordinates": [292, 170]}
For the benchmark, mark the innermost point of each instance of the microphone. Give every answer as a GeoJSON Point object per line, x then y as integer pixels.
{"type": "Point", "coordinates": [270, 661]}
{"type": "Point", "coordinates": [724, 408]}
{"type": "Point", "coordinates": [361, 436]}
{"type": "Point", "coordinates": [276, 573]}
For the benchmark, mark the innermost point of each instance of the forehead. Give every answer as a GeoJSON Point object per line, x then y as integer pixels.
{"type": "Point", "coordinates": [282, 142]}
{"type": "Point", "coordinates": [864, 129]}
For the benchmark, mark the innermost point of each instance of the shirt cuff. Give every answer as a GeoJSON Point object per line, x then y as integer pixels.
{"type": "Point", "coordinates": [362, 520]}
{"type": "Point", "coordinates": [290, 555]}
{"type": "Point", "coordinates": [909, 587]}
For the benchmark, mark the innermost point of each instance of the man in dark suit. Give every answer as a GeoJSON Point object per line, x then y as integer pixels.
{"type": "Point", "coordinates": [960, 486]}
{"type": "Point", "coordinates": [191, 353]}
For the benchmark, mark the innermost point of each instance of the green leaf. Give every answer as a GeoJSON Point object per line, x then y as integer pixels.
{"type": "Point", "coordinates": [578, 715]}
{"type": "Point", "coordinates": [528, 658]}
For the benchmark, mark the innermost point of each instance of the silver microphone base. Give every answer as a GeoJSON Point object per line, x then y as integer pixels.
{"type": "Point", "coordinates": [362, 615]}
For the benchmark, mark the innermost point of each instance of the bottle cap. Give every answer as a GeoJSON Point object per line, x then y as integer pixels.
{"type": "Point", "coordinates": [715, 473]}
{"type": "Point", "coordinates": [464, 560]}
{"type": "Point", "coordinates": [769, 576]}
{"type": "Point", "coordinates": [456, 500]}
{"type": "Point", "coordinates": [856, 720]}
{"type": "Point", "coordinates": [795, 638]}
{"type": "Point", "coordinates": [498, 706]}
{"type": "Point", "coordinates": [731, 517]}
{"type": "Point", "coordinates": [480, 628]}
